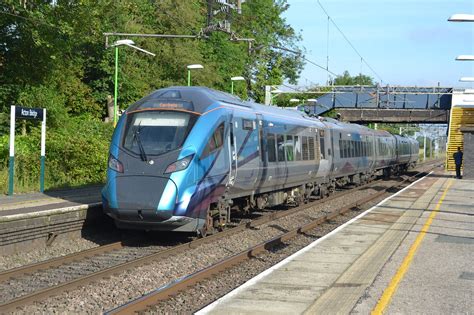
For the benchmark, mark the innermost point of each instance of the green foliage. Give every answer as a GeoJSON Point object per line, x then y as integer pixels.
{"type": "Point", "coordinates": [75, 155]}
{"type": "Point", "coordinates": [347, 79]}
{"type": "Point", "coordinates": [54, 56]}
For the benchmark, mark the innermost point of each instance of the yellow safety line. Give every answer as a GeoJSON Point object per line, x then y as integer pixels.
{"type": "Point", "coordinates": [384, 300]}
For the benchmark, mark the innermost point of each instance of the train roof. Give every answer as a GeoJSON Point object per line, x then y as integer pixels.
{"type": "Point", "coordinates": [203, 97]}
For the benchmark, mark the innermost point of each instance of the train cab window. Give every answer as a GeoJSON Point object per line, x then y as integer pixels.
{"type": "Point", "coordinates": [281, 148]}
{"type": "Point", "coordinates": [271, 151]}
{"type": "Point", "coordinates": [215, 141]}
{"type": "Point", "coordinates": [156, 132]}
{"type": "Point", "coordinates": [305, 148]}
{"type": "Point", "coordinates": [297, 147]}
{"type": "Point", "coordinates": [289, 145]}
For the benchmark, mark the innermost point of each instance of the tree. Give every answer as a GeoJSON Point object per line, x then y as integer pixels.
{"type": "Point", "coordinates": [347, 79]}
{"type": "Point", "coordinates": [52, 55]}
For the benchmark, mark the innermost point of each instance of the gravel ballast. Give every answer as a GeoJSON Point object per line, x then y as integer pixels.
{"type": "Point", "coordinates": [109, 293]}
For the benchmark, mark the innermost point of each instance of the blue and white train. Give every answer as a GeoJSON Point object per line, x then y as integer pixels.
{"type": "Point", "coordinates": [183, 158]}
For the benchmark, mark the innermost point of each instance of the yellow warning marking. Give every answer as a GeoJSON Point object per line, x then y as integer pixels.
{"type": "Point", "coordinates": [384, 300]}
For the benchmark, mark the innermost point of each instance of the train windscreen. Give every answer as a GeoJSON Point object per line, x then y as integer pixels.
{"type": "Point", "coordinates": [156, 132]}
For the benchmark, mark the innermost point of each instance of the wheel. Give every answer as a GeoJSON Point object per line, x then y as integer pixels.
{"type": "Point", "coordinates": [208, 227]}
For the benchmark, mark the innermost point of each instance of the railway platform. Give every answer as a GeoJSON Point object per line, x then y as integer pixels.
{"type": "Point", "coordinates": [37, 219]}
{"type": "Point", "coordinates": [412, 253]}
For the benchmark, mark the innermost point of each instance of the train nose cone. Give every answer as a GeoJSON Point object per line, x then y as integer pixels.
{"type": "Point", "coordinates": [146, 192]}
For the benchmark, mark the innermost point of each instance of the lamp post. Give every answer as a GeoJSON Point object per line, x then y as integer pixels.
{"type": "Point", "coordinates": [196, 66]}
{"type": "Point", "coordinates": [232, 83]}
{"type": "Point", "coordinates": [129, 43]}
{"type": "Point", "coordinates": [463, 18]}
{"type": "Point", "coordinates": [275, 93]}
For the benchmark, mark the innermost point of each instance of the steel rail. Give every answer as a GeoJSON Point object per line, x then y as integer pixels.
{"type": "Point", "coordinates": [164, 292]}
{"type": "Point", "coordinates": [46, 292]}
{"type": "Point", "coordinates": [58, 261]}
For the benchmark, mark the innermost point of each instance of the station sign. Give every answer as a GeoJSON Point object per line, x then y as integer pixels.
{"type": "Point", "coordinates": [18, 112]}
{"type": "Point", "coordinates": [29, 113]}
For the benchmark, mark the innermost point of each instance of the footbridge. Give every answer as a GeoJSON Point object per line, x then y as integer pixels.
{"type": "Point", "coordinates": [364, 104]}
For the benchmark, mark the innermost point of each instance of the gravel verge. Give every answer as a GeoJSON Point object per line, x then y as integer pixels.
{"type": "Point", "coordinates": [109, 293]}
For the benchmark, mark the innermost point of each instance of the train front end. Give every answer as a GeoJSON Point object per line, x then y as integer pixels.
{"type": "Point", "coordinates": [150, 167]}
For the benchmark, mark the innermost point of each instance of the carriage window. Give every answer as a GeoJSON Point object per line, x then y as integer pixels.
{"type": "Point", "coordinates": [321, 146]}
{"type": "Point", "coordinates": [305, 148]}
{"type": "Point", "coordinates": [311, 147]}
{"type": "Point", "coordinates": [297, 144]}
{"type": "Point", "coordinates": [281, 148]}
{"type": "Point", "coordinates": [247, 124]}
{"type": "Point", "coordinates": [271, 152]}
{"type": "Point", "coordinates": [341, 149]}
{"type": "Point", "coordinates": [289, 145]}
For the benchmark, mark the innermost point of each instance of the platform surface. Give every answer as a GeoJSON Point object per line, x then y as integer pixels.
{"type": "Point", "coordinates": [349, 270]}
{"type": "Point", "coordinates": [22, 204]}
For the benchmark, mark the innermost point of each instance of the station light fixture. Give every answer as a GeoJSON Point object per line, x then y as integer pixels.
{"type": "Point", "coordinates": [465, 58]}
{"type": "Point", "coordinates": [232, 79]}
{"type": "Point", "coordinates": [461, 18]}
{"type": "Point", "coordinates": [466, 79]}
{"type": "Point", "coordinates": [190, 67]}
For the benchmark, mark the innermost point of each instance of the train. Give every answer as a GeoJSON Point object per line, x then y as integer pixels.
{"type": "Point", "coordinates": [185, 159]}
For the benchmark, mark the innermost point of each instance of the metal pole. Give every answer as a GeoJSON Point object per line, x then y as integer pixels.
{"type": "Point", "coordinates": [116, 86]}
{"type": "Point", "coordinates": [43, 150]}
{"type": "Point", "coordinates": [424, 148]}
{"type": "Point", "coordinates": [11, 173]}
{"type": "Point", "coordinates": [231, 87]}
{"type": "Point", "coordinates": [189, 77]}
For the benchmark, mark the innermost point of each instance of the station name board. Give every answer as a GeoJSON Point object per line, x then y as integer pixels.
{"type": "Point", "coordinates": [28, 113]}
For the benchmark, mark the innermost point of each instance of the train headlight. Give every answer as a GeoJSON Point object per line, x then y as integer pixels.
{"type": "Point", "coordinates": [115, 164]}
{"type": "Point", "coordinates": [179, 165]}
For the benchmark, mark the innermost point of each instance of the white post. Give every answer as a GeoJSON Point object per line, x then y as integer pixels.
{"type": "Point", "coordinates": [43, 150]}
{"type": "Point", "coordinates": [12, 131]}
{"type": "Point", "coordinates": [11, 172]}
{"type": "Point", "coordinates": [43, 134]}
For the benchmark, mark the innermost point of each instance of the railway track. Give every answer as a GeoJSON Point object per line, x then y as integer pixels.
{"type": "Point", "coordinates": [115, 258]}
{"type": "Point", "coordinates": [147, 301]}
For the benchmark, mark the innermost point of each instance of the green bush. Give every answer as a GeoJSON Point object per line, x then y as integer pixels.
{"type": "Point", "coordinates": [76, 155]}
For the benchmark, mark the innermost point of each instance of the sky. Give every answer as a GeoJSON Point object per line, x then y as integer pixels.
{"type": "Point", "coordinates": [405, 42]}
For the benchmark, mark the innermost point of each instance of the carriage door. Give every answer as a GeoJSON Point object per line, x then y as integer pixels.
{"type": "Point", "coordinates": [232, 153]}
{"type": "Point", "coordinates": [325, 152]}
{"type": "Point", "coordinates": [262, 154]}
